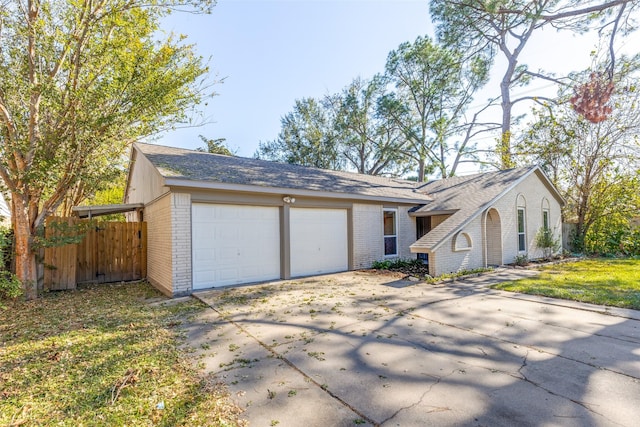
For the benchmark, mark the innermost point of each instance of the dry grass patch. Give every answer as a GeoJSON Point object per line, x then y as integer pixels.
{"type": "Point", "coordinates": [102, 355]}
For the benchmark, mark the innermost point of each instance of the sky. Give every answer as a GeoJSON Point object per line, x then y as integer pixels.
{"type": "Point", "coordinates": [271, 52]}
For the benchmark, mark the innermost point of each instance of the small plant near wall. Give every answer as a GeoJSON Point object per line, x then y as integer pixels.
{"type": "Point", "coordinates": [10, 286]}
{"type": "Point", "coordinates": [547, 243]}
{"type": "Point", "coordinates": [390, 264]}
{"type": "Point", "coordinates": [521, 260]}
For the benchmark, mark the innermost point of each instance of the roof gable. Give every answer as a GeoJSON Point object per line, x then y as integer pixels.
{"type": "Point", "coordinates": [469, 196]}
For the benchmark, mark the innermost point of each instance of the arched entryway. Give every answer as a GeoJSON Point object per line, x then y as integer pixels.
{"type": "Point", "coordinates": [493, 237]}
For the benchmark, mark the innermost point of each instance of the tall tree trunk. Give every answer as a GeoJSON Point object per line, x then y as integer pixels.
{"type": "Point", "coordinates": [25, 256]}
{"type": "Point", "coordinates": [504, 145]}
{"type": "Point", "coordinates": [421, 170]}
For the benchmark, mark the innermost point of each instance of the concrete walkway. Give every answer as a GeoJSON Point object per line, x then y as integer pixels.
{"type": "Point", "coordinates": [361, 348]}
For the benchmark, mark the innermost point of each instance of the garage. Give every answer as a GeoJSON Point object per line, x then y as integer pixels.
{"type": "Point", "coordinates": [234, 244]}
{"type": "Point", "coordinates": [318, 241]}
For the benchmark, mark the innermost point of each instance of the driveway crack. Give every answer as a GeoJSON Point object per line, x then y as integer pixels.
{"type": "Point", "coordinates": [426, 392]}
{"type": "Point", "coordinates": [522, 376]}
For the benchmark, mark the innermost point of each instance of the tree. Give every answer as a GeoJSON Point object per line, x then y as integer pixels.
{"type": "Point", "coordinates": [490, 28]}
{"type": "Point", "coordinates": [592, 163]}
{"type": "Point", "coordinates": [215, 146]}
{"type": "Point", "coordinates": [79, 81]}
{"type": "Point", "coordinates": [433, 86]}
{"type": "Point", "coordinates": [307, 137]}
{"type": "Point", "coordinates": [370, 140]}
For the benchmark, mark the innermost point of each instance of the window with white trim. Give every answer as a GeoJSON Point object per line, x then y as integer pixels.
{"type": "Point", "coordinates": [462, 242]}
{"type": "Point", "coordinates": [522, 236]}
{"type": "Point", "coordinates": [390, 232]}
{"type": "Point", "coordinates": [546, 215]}
{"type": "Point", "coordinates": [545, 219]}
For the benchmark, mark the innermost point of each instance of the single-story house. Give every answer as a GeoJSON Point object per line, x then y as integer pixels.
{"type": "Point", "coordinates": [217, 220]}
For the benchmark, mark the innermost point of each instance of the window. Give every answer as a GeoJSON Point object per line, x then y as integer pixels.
{"type": "Point", "coordinates": [462, 242]}
{"type": "Point", "coordinates": [390, 233]}
{"type": "Point", "coordinates": [522, 238]}
{"type": "Point", "coordinates": [545, 219]}
{"type": "Point", "coordinates": [546, 222]}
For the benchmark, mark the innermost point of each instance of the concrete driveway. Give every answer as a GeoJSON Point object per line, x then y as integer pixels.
{"type": "Point", "coordinates": [361, 348]}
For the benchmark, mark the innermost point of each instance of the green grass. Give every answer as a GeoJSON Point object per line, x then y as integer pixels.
{"type": "Point", "coordinates": [613, 282]}
{"type": "Point", "coordinates": [102, 355]}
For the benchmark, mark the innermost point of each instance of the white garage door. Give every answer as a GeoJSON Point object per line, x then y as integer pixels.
{"type": "Point", "coordinates": [234, 244]}
{"type": "Point", "coordinates": [318, 241]}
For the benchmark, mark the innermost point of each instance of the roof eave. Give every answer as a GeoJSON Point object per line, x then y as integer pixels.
{"type": "Point", "coordinates": [433, 213]}
{"type": "Point", "coordinates": [98, 210]}
{"type": "Point", "coordinates": [247, 188]}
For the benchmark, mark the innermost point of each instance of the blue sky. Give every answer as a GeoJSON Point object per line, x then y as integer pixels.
{"type": "Point", "coordinates": [271, 52]}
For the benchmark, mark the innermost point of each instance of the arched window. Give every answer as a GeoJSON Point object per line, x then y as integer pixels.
{"type": "Point", "coordinates": [521, 208]}
{"type": "Point", "coordinates": [546, 215]}
{"type": "Point", "coordinates": [462, 242]}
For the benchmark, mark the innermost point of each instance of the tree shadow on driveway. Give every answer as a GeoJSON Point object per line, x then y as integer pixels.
{"type": "Point", "coordinates": [344, 350]}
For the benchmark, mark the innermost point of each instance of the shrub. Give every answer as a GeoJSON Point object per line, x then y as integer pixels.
{"type": "Point", "coordinates": [521, 260]}
{"type": "Point", "coordinates": [546, 242]}
{"type": "Point", "coordinates": [389, 264]}
{"type": "Point", "coordinates": [10, 286]}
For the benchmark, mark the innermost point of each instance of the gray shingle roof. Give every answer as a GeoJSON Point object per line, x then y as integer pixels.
{"type": "Point", "coordinates": [181, 164]}
{"type": "Point", "coordinates": [468, 196]}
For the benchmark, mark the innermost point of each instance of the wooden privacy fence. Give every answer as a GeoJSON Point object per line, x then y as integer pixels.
{"type": "Point", "coordinates": [107, 252]}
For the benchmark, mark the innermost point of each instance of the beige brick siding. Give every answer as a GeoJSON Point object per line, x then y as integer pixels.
{"type": "Point", "coordinates": [367, 235]}
{"type": "Point", "coordinates": [159, 259]}
{"type": "Point", "coordinates": [533, 192]}
{"type": "Point", "coordinates": [169, 243]}
{"type": "Point", "coordinates": [406, 232]}
{"type": "Point", "coordinates": [181, 237]}
{"type": "Point", "coordinates": [450, 260]}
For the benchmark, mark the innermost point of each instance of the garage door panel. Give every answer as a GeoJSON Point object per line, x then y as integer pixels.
{"type": "Point", "coordinates": [234, 244]}
{"type": "Point", "coordinates": [319, 241]}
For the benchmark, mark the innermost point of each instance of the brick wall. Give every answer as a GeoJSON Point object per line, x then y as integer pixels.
{"type": "Point", "coordinates": [406, 232]}
{"type": "Point", "coordinates": [181, 237]}
{"type": "Point", "coordinates": [159, 244]}
{"type": "Point", "coordinates": [367, 235]}
{"type": "Point", "coordinates": [449, 259]}
{"type": "Point", "coordinates": [533, 192]}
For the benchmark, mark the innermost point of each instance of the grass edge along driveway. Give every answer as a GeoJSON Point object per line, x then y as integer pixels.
{"type": "Point", "coordinates": [104, 355]}
{"type": "Point", "coordinates": [611, 282]}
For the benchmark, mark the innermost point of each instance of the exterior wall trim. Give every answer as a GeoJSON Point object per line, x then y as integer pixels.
{"type": "Point", "coordinates": [184, 185]}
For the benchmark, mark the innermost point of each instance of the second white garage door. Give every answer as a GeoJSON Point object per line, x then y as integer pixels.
{"type": "Point", "coordinates": [318, 241]}
{"type": "Point", "coordinates": [234, 244]}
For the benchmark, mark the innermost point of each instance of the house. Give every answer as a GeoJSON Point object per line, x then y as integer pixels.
{"type": "Point", "coordinates": [217, 220]}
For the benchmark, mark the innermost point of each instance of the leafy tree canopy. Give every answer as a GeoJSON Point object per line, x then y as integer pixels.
{"type": "Point", "coordinates": [307, 137]}
{"type": "Point", "coordinates": [595, 165]}
{"type": "Point", "coordinates": [215, 146]}
{"type": "Point", "coordinates": [504, 27]}
{"type": "Point", "coordinates": [79, 81]}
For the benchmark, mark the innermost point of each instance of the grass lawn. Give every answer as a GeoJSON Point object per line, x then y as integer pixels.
{"type": "Point", "coordinates": [614, 282]}
{"type": "Point", "coordinates": [102, 355]}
